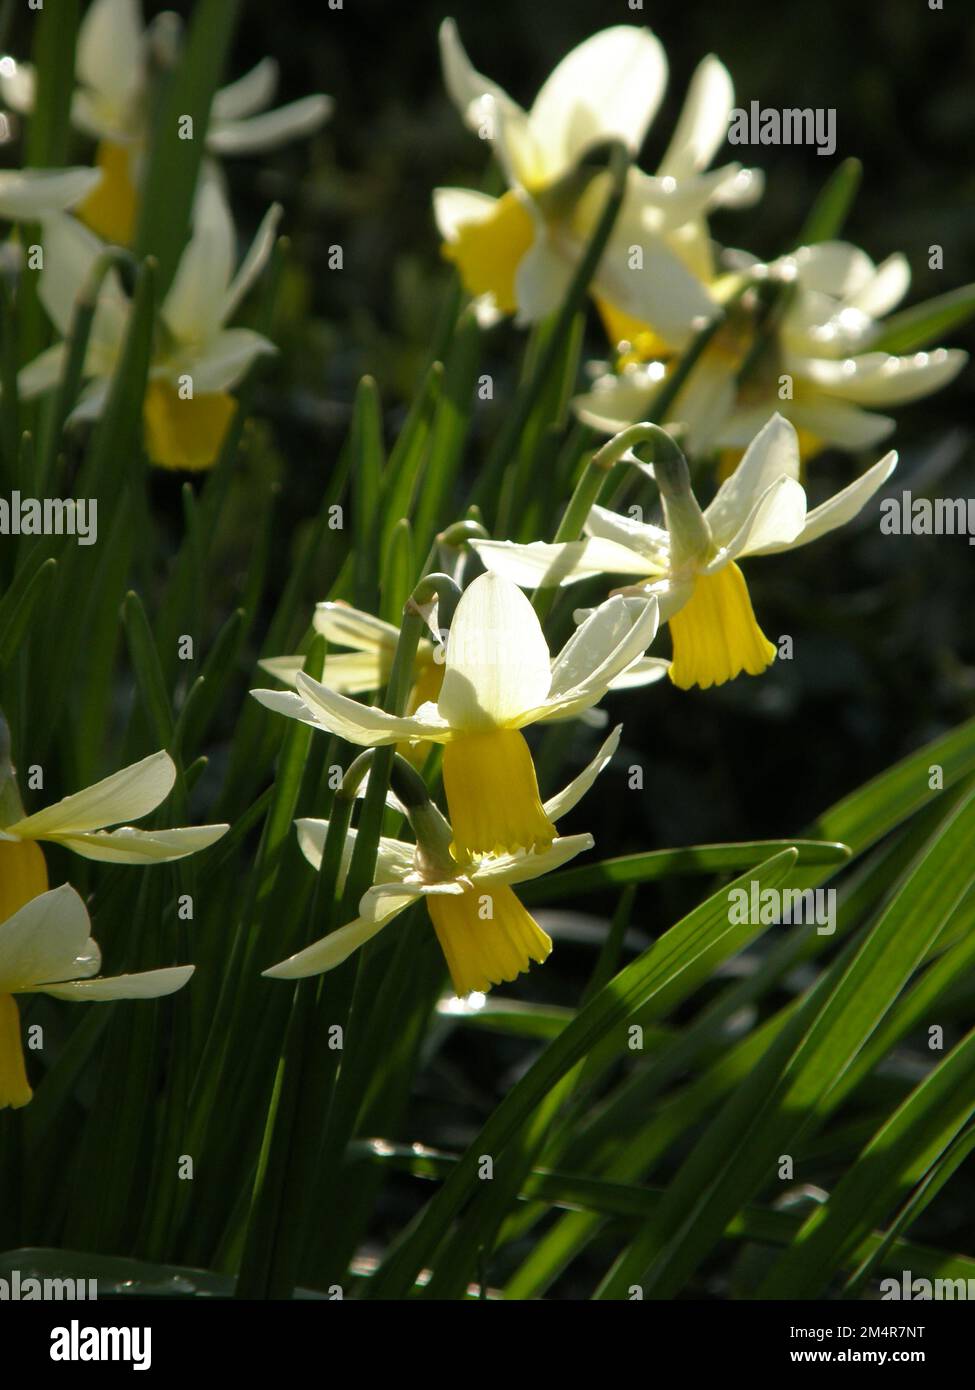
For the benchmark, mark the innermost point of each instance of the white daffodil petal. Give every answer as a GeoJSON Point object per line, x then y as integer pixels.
{"type": "Point", "coordinates": [772, 454]}
{"type": "Point", "coordinates": [36, 193]}
{"type": "Point", "coordinates": [454, 208]}
{"type": "Point", "coordinates": [662, 292]}
{"type": "Point", "coordinates": [332, 950]}
{"type": "Point", "coordinates": [87, 963]}
{"type": "Point", "coordinates": [705, 405]}
{"type": "Point", "coordinates": [886, 289]}
{"type": "Point", "coordinates": [70, 254]}
{"type": "Point", "coordinates": [126, 795]}
{"type": "Point", "coordinates": [91, 402]}
{"type": "Point", "coordinates": [283, 668]}
{"type": "Point", "coordinates": [839, 423]}
{"type": "Point", "coordinates": [497, 661]}
{"type": "Point", "coordinates": [351, 627]}
{"type": "Point", "coordinates": [703, 123]}
{"type": "Point", "coordinates": [595, 641]}
{"type": "Point", "coordinates": [351, 673]}
{"type": "Point", "coordinates": [520, 867]}
{"type": "Point", "coordinates": [109, 52]}
{"type": "Point", "coordinates": [254, 134]}
{"type": "Point", "coordinates": [542, 279]}
{"type": "Point", "coordinates": [540, 564]}
{"type": "Point", "coordinates": [617, 401]}
{"type": "Point", "coordinates": [18, 86]}
{"type": "Point", "coordinates": [610, 86]}
{"type": "Point", "coordinates": [357, 723]}
{"type": "Point", "coordinates": [562, 803]}
{"type": "Point", "coordinates": [650, 543]}
{"type": "Point", "coordinates": [835, 268]}
{"type": "Point", "coordinates": [43, 373]}
{"type": "Point", "coordinates": [43, 939]}
{"type": "Point", "coordinates": [486, 107]}
{"type": "Point", "coordinates": [130, 846]}
{"type": "Point", "coordinates": [842, 506]}
{"type": "Point", "coordinates": [253, 263]}
{"type": "Point", "coordinates": [394, 858]}
{"type": "Point", "coordinates": [193, 308]}
{"type": "Point", "coordinates": [776, 519]}
{"type": "Point", "coordinates": [646, 670]}
{"type": "Point", "coordinates": [250, 93]}
{"type": "Point", "coordinates": [226, 358]}
{"type": "Point", "coordinates": [591, 689]}
{"type": "Point", "coordinates": [149, 984]}
{"type": "Point", "coordinates": [878, 378]}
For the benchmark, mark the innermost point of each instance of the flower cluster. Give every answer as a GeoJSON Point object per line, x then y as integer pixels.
{"type": "Point", "coordinates": [731, 372]}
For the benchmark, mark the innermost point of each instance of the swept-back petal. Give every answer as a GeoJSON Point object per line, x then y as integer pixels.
{"type": "Point", "coordinates": [36, 193]}
{"type": "Point", "coordinates": [193, 308]}
{"type": "Point", "coordinates": [636, 637]}
{"type": "Point", "coordinates": [610, 86]}
{"type": "Point", "coordinates": [109, 53]}
{"type": "Point", "coordinates": [42, 940]}
{"type": "Point", "coordinates": [775, 521]}
{"type": "Point", "coordinates": [703, 123]}
{"type": "Point", "coordinates": [254, 134]}
{"type": "Point", "coordinates": [843, 506]}
{"type": "Point", "coordinates": [394, 858]}
{"type": "Point", "coordinates": [130, 846]}
{"type": "Point", "coordinates": [520, 867]}
{"type": "Point", "coordinates": [563, 802]}
{"type": "Point", "coordinates": [248, 94]}
{"type": "Point", "coordinates": [357, 723]}
{"type": "Point", "coordinates": [149, 984]}
{"type": "Point", "coordinates": [333, 949]}
{"type": "Point", "coordinates": [879, 378]}
{"type": "Point", "coordinates": [126, 795]}
{"type": "Point", "coordinates": [772, 454]}
{"type": "Point", "coordinates": [539, 563]}
{"type": "Point", "coordinates": [253, 263]}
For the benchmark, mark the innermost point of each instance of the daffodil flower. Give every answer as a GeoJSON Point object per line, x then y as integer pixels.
{"type": "Point", "coordinates": [46, 947]}
{"type": "Point", "coordinates": [78, 823]}
{"type": "Point", "coordinates": [518, 253]}
{"type": "Point", "coordinates": [115, 59]}
{"type": "Point", "coordinates": [373, 642]}
{"type": "Point", "coordinates": [498, 678]}
{"type": "Point", "coordinates": [690, 564]}
{"type": "Point", "coordinates": [196, 359]}
{"type": "Point", "coordinates": [27, 195]}
{"type": "Point", "coordinates": [819, 368]}
{"type": "Point", "coordinates": [485, 933]}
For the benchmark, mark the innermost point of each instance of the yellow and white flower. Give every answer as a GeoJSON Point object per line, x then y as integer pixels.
{"type": "Point", "coordinates": [79, 823]}
{"type": "Point", "coordinates": [116, 56]}
{"type": "Point", "coordinates": [367, 665]}
{"type": "Point", "coordinates": [819, 367]}
{"type": "Point", "coordinates": [46, 947]}
{"type": "Point", "coordinates": [28, 195]}
{"type": "Point", "coordinates": [498, 678]}
{"type": "Point", "coordinates": [196, 359]}
{"type": "Point", "coordinates": [690, 564]}
{"type": "Point", "coordinates": [517, 254]}
{"type": "Point", "coordinates": [485, 933]}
